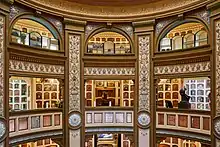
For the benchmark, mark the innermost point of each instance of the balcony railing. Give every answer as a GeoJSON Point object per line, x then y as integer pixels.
{"type": "Point", "coordinates": [196, 121]}
{"type": "Point", "coordinates": [34, 121]}
{"type": "Point", "coordinates": [109, 116]}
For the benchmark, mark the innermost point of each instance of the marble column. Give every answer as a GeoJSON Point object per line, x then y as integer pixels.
{"type": "Point", "coordinates": [74, 133]}
{"type": "Point", "coordinates": [144, 129]}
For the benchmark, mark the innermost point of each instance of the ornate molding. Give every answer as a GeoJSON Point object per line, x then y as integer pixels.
{"type": "Point", "coordinates": [74, 73]}
{"type": "Point", "coordinates": [216, 123]}
{"type": "Point", "coordinates": [94, 71]}
{"type": "Point", "coordinates": [75, 120]}
{"type": "Point", "coordinates": [144, 119]}
{"type": "Point", "coordinates": [217, 66]}
{"type": "Point", "coordinates": [3, 130]}
{"type": "Point", "coordinates": [2, 63]}
{"type": "Point", "coordinates": [90, 11]}
{"type": "Point", "coordinates": [15, 65]}
{"type": "Point", "coordinates": [183, 68]}
{"type": "Point", "coordinates": [144, 73]}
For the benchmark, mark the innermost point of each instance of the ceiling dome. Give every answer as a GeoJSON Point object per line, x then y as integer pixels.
{"type": "Point", "coordinates": [115, 10]}
{"type": "Point", "coordinates": [113, 2]}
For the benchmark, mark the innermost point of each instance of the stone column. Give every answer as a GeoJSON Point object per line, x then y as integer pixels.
{"type": "Point", "coordinates": [4, 104]}
{"type": "Point", "coordinates": [214, 40]}
{"type": "Point", "coordinates": [74, 131]}
{"type": "Point", "coordinates": [144, 129]}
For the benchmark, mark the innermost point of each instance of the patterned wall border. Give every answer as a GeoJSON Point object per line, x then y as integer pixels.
{"type": "Point", "coordinates": [144, 73]}
{"type": "Point", "coordinates": [183, 68]}
{"type": "Point", "coordinates": [2, 64]}
{"type": "Point", "coordinates": [74, 73]}
{"type": "Point", "coordinates": [217, 67]}
{"type": "Point", "coordinates": [15, 65]}
{"type": "Point", "coordinates": [92, 71]}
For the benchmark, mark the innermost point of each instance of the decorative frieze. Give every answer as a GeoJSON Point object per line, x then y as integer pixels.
{"type": "Point", "coordinates": [144, 72]}
{"type": "Point", "coordinates": [15, 65]}
{"type": "Point", "coordinates": [217, 67]}
{"type": "Point", "coordinates": [74, 73]}
{"type": "Point", "coordinates": [2, 58]}
{"type": "Point", "coordinates": [183, 68]}
{"type": "Point", "coordinates": [94, 71]}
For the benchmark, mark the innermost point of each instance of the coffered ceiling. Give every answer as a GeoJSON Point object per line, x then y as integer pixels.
{"type": "Point", "coordinates": [113, 2]}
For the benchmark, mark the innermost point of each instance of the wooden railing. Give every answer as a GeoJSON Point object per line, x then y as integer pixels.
{"type": "Point", "coordinates": [195, 121]}
{"type": "Point", "coordinates": [109, 116]}
{"type": "Point", "coordinates": [34, 121]}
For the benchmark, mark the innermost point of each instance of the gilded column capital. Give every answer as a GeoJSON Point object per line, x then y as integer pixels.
{"type": "Point", "coordinates": [75, 25]}
{"type": "Point", "coordinates": [143, 26]}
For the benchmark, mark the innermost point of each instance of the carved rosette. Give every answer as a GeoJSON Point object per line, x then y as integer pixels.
{"type": "Point", "coordinates": [144, 119]}
{"type": "Point", "coordinates": [217, 71]}
{"type": "Point", "coordinates": [216, 123]}
{"type": "Point", "coordinates": [144, 70]}
{"type": "Point", "coordinates": [75, 120]}
{"type": "Point", "coordinates": [2, 57]}
{"type": "Point", "coordinates": [74, 73]}
{"type": "Point", "coordinates": [3, 129]}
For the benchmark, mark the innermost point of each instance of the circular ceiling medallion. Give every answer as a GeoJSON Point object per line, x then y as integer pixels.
{"type": "Point", "coordinates": [75, 120]}
{"type": "Point", "coordinates": [2, 129]}
{"type": "Point", "coordinates": [216, 123]}
{"type": "Point", "coordinates": [144, 119]}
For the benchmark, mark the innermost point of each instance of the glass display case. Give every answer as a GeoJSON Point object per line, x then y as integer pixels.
{"type": "Point", "coordinates": [47, 93]}
{"type": "Point", "coordinates": [198, 89]}
{"type": "Point", "coordinates": [117, 92]}
{"type": "Point", "coordinates": [168, 90]}
{"type": "Point", "coordinates": [19, 94]}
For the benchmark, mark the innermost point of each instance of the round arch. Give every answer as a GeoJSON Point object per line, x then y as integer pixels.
{"type": "Point", "coordinates": [176, 23]}
{"type": "Point", "coordinates": [38, 19]}
{"type": "Point", "coordinates": [113, 29]}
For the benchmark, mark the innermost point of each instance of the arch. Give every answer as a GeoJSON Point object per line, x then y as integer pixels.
{"type": "Point", "coordinates": [177, 23]}
{"type": "Point", "coordinates": [201, 38]}
{"type": "Point", "coordinates": [40, 21]}
{"type": "Point", "coordinates": [188, 40]}
{"type": "Point", "coordinates": [113, 30]}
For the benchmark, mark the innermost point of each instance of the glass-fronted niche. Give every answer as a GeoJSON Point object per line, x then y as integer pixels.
{"type": "Point", "coordinates": [34, 93]}
{"type": "Point", "coordinates": [178, 142]}
{"type": "Point", "coordinates": [108, 43]}
{"type": "Point", "coordinates": [39, 143]}
{"type": "Point", "coordinates": [187, 35]}
{"type": "Point", "coordinates": [31, 33]}
{"type": "Point", "coordinates": [109, 140]}
{"type": "Point", "coordinates": [109, 93]}
{"type": "Point", "coordinates": [168, 92]}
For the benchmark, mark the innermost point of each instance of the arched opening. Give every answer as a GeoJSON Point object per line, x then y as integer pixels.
{"type": "Point", "coordinates": [32, 33]}
{"type": "Point", "coordinates": [187, 35]}
{"type": "Point", "coordinates": [108, 43]}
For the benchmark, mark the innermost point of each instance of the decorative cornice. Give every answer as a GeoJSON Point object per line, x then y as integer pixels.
{"type": "Point", "coordinates": [143, 23]}
{"type": "Point", "coordinates": [75, 22]}
{"type": "Point", "coordinates": [182, 68]}
{"type": "Point", "coordinates": [20, 66]}
{"type": "Point", "coordinates": [94, 71]}
{"type": "Point", "coordinates": [138, 12]}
